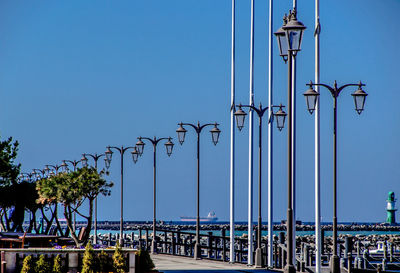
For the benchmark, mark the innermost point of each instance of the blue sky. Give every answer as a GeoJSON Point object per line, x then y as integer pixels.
{"type": "Point", "coordinates": [76, 76]}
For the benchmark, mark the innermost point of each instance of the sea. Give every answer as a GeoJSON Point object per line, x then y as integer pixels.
{"type": "Point", "coordinates": [264, 232]}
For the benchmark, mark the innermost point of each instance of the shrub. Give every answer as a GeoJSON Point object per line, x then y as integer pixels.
{"type": "Point", "coordinates": [57, 267]}
{"type": "Point", "coordinates": [42, 266]}
{"type": "Point", "coordinates": [104, 262]}
{"type": "Point", "coordinates": [28, 265]}
{"type": "Point", "coordinates": [89, 261]}
{"type": "Point", "coordinates": [145, 263]}
{"type": "Point", "coordinates": [119, 260]}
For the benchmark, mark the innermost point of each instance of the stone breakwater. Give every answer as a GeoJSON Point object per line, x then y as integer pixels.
{"type": "Point", "coordinates": [243, 227]}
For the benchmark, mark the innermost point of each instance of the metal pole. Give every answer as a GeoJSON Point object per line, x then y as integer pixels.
{"type": "Point", "coordinates": [289, 268]}
{"type": "Point", "coordinates": [270, 138]}
{"type": "Point", "coordinates": [259, 259]}
{"type": "Point", "coordinates": [197, 250]}
{"type": "Point", "coordinates": [293, 125]}
{"type": "Point", "coordinates": [318, 243]}
{"type": "Point", "coordinates": [250, 200]}
{"type": "Point", "coordinates": [153, 245]}
{"type": "Point", "coordinates": [335, 259]}
{"type": "Point", "coordinates": [232, 157]}
{"type": "Point", "coordinates": [95, 211]}
{"type": "Point", "coordinates": [121, 225]}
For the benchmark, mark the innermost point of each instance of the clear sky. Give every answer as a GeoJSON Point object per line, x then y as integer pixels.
{"type": "Point", "coordinates": [76, 76]}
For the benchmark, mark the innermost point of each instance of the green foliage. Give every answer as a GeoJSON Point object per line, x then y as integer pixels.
{"type": "Point", "coordinates": [67, 188]}
{"type": "Point", "coordinates": [103, 262]}
{"type": "Point", "coordinates": [89, 260]}
{"type": "Point", "coordinates": [119, 260]}
{"type": "Point", "coordinates": [57, 267]}
{"type": "Point", "coordinates": [28, 265]}
{"type": "Point", "coordinates": [71, 190]}
{"type": "Point", "coordinates": [145, 263]}
{"type": "Point", "coordinates": [42, 266]}
{"type": "Point", "coordinates": [9, 171]}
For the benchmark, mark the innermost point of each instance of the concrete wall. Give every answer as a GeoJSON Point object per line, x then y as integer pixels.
{"type": "Point", "coordinates": [11, 257]}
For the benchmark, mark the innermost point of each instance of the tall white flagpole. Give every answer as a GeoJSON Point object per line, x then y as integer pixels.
{"type": "Point", "coordinates": [232, 157]}
{"type": "Point", "coordinates": [317, 149]}
{"type": "Point", "coordinates": [251, 102]}
{"type": "Point", "coordinates": [270, 136]}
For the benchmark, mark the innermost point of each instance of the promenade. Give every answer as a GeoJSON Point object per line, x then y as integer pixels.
{"type": "Point", "coordinates": [169, 263]}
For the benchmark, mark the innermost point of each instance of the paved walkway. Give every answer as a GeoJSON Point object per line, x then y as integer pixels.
{"type": "Point", "coordinates": [169, 264]}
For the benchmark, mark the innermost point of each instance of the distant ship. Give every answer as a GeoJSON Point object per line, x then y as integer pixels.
{"type": "Point", "coordinates": [211, 217]}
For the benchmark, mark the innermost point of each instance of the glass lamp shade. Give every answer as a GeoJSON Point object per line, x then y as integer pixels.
{"type": "Point", "coordinates": [140, 146]}
{"type": "Point", "coordinates": [108, 154]}
{"type": "Point", "coordinates": [135, 155]}
{"type": "Point", "coordinates": [282, 43]}
{"type": "Point", "coordinates": [294, 34]}
{"type": "Point", "coordinates": [215, 132]}
{"type": "Point", "coordinates": [240, 116]}
{"type": "Point", "coordinates": [280, 118]}
{"type": "Point", "coordinates": [359, 99]}
{"type": "Point", "coordinates": [84, 161]}
{"type": "Point", "coordinates": [181, 133]}
{"type": "Point", "coordinates": [169, 145]}
{"type": "Point", "coordinates": [107, 163]}
{"type": "Point", "coordinates": [311, 99]}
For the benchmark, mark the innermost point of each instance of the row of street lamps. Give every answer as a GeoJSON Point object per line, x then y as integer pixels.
{"type": "Point", "coordinates": [137, 151]}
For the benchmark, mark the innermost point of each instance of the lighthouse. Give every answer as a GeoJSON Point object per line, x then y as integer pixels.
{"type": "Point", "coordinates": [390, 209]}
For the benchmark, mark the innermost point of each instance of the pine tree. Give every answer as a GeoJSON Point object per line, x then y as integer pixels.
{"type": "Point", "coordinates": [103, 262]}
{"type": "Point", "coordinates": [89, 261]}
{"type": "Point", "coordinates": [28, 265]}
{"type": "Point", "coordinates": [145, 263]}
{"type": "Point", "coordinates": [119, 260]}
{"type": "Point", "coordinates": [57, 267]}
{"type": "Point", "coordinates": [42, 266]}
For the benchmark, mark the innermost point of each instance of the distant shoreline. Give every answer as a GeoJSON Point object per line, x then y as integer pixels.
{"type": "Point", "coordinates": [114, 225]}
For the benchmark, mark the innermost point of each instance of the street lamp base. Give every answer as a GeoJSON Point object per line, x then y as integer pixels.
{"type": "Point", "coordinates": [289, 268]}
{"type": "Point", "coordinates": [153, 247]}
{"type": "Point", "coordinates": [121, 242]}
{"type": "Point", "coordinates": [335, 264]}
{"type": "Point", "coordinates": [197, 251]}
{"type": "Point", "coordinates": [259, 258]}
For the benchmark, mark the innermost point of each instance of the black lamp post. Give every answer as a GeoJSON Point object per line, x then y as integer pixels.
{"type": "Point", "coordinates": [289, 41]}
{"type": "Point", "coordinates": [122, 151]}
{"type": "Point", "coordinates": [215, 132]}
{"type": "Point", "coordinates": [311, 99]}
{"type": "Point", "coordinates": [240, 116]}
{"type": "Point", "coordinates": [140, 147]}
{"type": "Point", "coordinates": [84, 160]}
{"type": "Point", "coordinates": [74, 164]}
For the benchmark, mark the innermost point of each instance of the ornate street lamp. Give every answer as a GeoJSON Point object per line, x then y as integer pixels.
{"type": "Point", "coordinates": [359, 100]}
{"type": "Point", "coordinates": [240, 117]}
{"type": "Point", "coordinates": [108, 154]}
{"type": "Point", "coordinates": [293, 30]}
{"type": "Point", "coordinates": [169, 146]}
{"type": "Point", "coordinates": [65, 166]}
{"type": "Point", "coordinates": [215, 132]}
{"type": "Point", "coordinates": [84, 160]}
